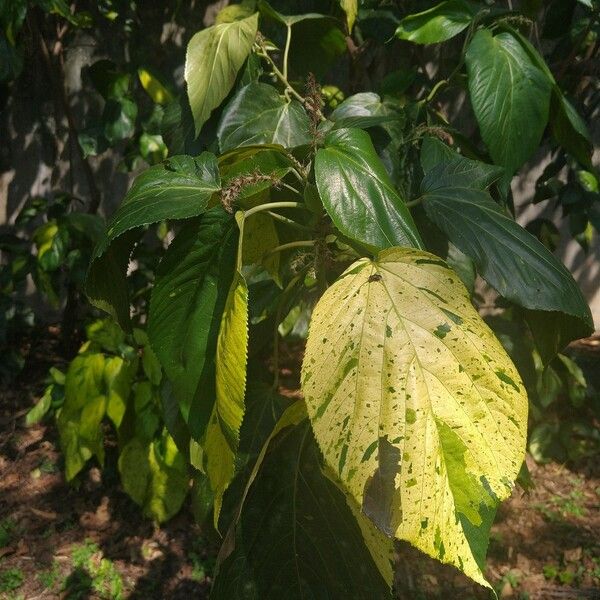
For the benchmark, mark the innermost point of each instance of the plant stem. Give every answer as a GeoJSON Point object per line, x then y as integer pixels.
{"type": "Point", "coordinates": [289, 222]}
{"type": "Point", "coordinates": [288, 39]}
{"type": "Point", "coordinates": [281, 76]}
{"type": "Point", "coordinates": [241, 219]}
{"type": "Point", "coordinates": [415, 202]}
{"type": "Point", "coordinates": [435, 89]}
{"type": "Point", "coordinates": [290, 245]}
{"type": "Point", "coordinates": [273, 206]}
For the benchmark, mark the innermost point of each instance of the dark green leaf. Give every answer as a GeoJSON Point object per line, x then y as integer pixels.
{"type": "Point", "coordinates": [268, 11]}
{"type": "Point", "coordinates": [119, 119]}
{"type": "Point", "coordinates": [367, 110]}
{"type": "Point", "coordinates": [179, 188]}
{"type": "Point", "coordinates": [454, 170]}
{"type": "Point", "coordinates": [510, 95]}
{"type": "Point", "coordinates": [108, 80]}
{"type": "Point", "coordinates": [514, 262]}
{"type": "Point", "coordinates": [358, 194]}
{"type": "Point", "coordinates": [315, 45]}
{"type": "Point", "coordinates": [186, 306]}
{"type": "Point", "coordinates": [257, 114]}
{"type": "Point", "coordinates": [290, 505]}
{"type": "Point", "coordinates": [436, 24]}
{"type": "Point", "coordinates": [569, 129]}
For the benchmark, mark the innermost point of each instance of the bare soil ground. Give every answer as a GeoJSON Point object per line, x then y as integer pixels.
{"type": "Point", "coordinates": [60, 542]}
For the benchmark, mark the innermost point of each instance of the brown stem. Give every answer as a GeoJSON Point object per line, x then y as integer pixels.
{"type": "Point", "coordinates": [57, 78]}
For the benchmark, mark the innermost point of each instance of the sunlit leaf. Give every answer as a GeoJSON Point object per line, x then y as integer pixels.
{"type": "Point", "coordinates": [214, 56]}
{"type": "Point", "coordinates": [414, 403]}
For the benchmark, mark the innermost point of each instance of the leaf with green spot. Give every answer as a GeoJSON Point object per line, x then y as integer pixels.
{"type": "Point", "coordinates": [449, 434]}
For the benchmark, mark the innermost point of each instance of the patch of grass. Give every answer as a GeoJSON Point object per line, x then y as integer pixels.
{"type": "Point", "coordinates": [11, 579]}
{"type": "Point", "coordinates": [50, 578]}
{"type": "Point", "coordinates": [93, 573]}
{"type": "Point", "coordinates": [569, 575]}
{"type": "Point", "coordinates": [7, 530]}
{"type": "Point", "coordinates": [203, 565]}
{"type": "Point", "coordinates": [560, 507]}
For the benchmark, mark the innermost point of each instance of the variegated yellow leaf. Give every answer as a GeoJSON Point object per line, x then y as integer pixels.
{"type": "Point", "coordinates": [414, 404]}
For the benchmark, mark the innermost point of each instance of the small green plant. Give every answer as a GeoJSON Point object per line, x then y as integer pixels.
{"type": "Point", "coordinates": [203, 565]}
{"type": "Point", "coordinates": [115, 378]}
{"type": "Point", "coordinates": [51, 577]}
{"type": "Point", "coordinates": [93, 572]}
{"type": "Point", "coordinates": [564, 506]}
{"type": "Point", "coordinates": [11, 579]}
{"type": "Point", "coordinates": [7, 531]}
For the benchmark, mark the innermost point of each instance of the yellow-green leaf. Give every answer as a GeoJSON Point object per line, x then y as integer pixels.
{"type": "Point", "coordinates": [154, 88]}
{"type": "Point", "coordinates": [214, 56]}
{"type": "Point", "coordinates": [415, 404]}
{"type": "Point", "coordinates": [350, 7]}
{"type": "Point", "coordinates": [260, 236]}
{"type": "Point", "coordinates": [223, 431]}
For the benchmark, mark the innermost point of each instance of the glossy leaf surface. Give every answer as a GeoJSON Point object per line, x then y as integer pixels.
{"type": "Point", "coordinates": [358, 194]}
{"type": "Point", "coordinates": [257, 114]}
{"type": "Point", "coordinates": [510, 97]}
{"type": "Point", "coordinates": [436, 24]}
{"type": "Point", "coordinates": [508, 257]}
{"type": "Point", "coordinates": [179, 188]}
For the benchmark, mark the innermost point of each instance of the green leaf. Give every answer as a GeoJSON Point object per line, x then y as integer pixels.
{"type": "Point", "coordinates": [191, 288]}
{"type": "Point", "coordinates": [569, 129]}
{"type": "Point", "coordinates": [509, 258]}
{"type": "Point", "coordinates": [235, 12]}
{"type": "Point", "coordinates": [510, 95]}
{"type": "Point", "coordinates": [257, 114]}
{"type": "Point", "coordinates": [289, 506]}
{"type": "Point", "coordinates": [436, 24]}
{"type": "Point", "coordinates": [358, 194]}
{"type": "Point", "coordinates": [367, 110]}
{"type": "Point", "coordinates": [41, 408]}
{"type": "Point", "coordinates": [52, 243]}
{"type": "Point", "coordinates": [109, 81]}
{"type": "Point", "coordinates": [154, 87]}
{"type": "Point", "coordinates": [79, 421]}
{"type": "Point", "coordinates": [179, 188]}
{"type": "Point", "coordinates": [119, 119]}
{"type": "Point", "coordinates": [268, 11]}
{"type": "Point", "coordinates": [455, 170]}
{"type": "Point", "coordinates": [223, 431]}
{"type": "Point", "coordinates": [260, 236]}
{"type": "Point", "coordinates": [154, 474]}
{"type": "Point", "coordinates": [214, 56]}
{"type": "Point", "coordinates": [415, 404]}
